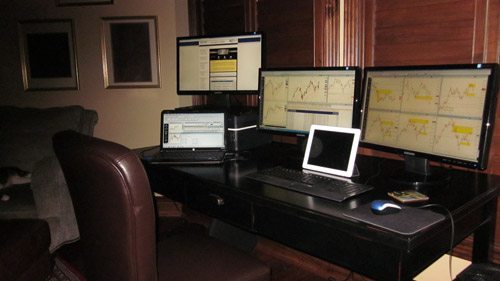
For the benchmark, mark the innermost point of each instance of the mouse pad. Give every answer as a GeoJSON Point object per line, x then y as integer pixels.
{"type": "Point", "coordinates": [407, 222]}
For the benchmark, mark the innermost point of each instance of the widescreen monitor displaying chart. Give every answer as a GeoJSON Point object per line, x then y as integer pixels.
{"type": "Point", "coordinates": [293, 99]}
{"type": "Point", "coordinates": [440, 113]}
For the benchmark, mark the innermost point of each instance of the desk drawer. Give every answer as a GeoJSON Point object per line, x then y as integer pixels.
{"type": "Point", "coordinates": [330, 243]}
{"type": "Point", "coordinates": [220, 205]}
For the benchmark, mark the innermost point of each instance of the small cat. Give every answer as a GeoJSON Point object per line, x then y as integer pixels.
{"type": "Point", "coordinates": [12, 175]}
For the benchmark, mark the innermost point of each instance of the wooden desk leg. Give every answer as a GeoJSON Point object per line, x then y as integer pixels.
{"type": "Point", "coordinates": [484, 236]}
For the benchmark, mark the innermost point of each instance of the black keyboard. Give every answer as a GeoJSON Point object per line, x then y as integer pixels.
{"type": "Point", "coordinates": [312, 184]}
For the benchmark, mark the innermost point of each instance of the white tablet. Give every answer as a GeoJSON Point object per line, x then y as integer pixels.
{"type": "Point", "coordinates": [331, 150]}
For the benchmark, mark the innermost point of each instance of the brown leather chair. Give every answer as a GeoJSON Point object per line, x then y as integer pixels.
{"type": "Point", "coordinates": [115, 213]}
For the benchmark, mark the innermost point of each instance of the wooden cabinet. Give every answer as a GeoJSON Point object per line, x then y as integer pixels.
{"type": "Point", "coordinates": [430, 32]}
{"type": "Point", "coordinates": [200, 196]}
{"type": "Point", "coordinates": [219, 204]}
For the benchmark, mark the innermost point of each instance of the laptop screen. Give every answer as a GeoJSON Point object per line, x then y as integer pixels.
{"type": "Point", "coordinates": [192, 130]}
{"type": "Point", "coordinates": [331, 150]}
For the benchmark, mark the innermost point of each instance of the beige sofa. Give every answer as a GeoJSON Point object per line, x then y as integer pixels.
{"type": "Point", "coordinates": [26, 143]}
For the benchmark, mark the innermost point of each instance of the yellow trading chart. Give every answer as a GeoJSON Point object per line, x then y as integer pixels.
{"type": "Point", "coordinates": [340, 90]}
{"type": "Point", "coordinates": [275, 105]}
{"type": "Point", "coordinates": [307, 89]}
{"type": "Point", "coordinates": [432, 114]}
{"type": "Point", "coordinates": [296, 99]}
{"type": "Point", "coordinates": [386, 93]}
{"type": "Point", "coordinates": [463, 97]}
{"type": "Point", "coordinates": [382, 127]}
{"type": "Point", "coordinates": [457, 137]}
{"type": "Point", "coordinates": [421, 95]}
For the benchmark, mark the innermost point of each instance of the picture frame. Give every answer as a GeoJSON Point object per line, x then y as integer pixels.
{"type": "Point", "coordinates": [82, 2]}
{"type": "Point", "coordinates": [48, 55]}
{"type": "Point", "coordinates": [130, 52]}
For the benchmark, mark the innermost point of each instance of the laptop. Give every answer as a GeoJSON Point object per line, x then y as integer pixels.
{"type": "Point", "coordinates": [328, 165]}
{"type": "Point", "coordinates": [191, 138]}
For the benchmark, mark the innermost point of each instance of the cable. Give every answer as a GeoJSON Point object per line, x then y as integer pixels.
{"type": "Point", "coordinates": [379, 171]}
{"type": "Point", "coordinates": [452, 238]}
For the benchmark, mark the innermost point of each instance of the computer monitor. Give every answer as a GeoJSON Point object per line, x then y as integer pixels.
{"type": "Point", "coordinates": [293, 99]}
{"type": "Point", "coordinates": [223, 64]}
{"type": "Point", "coordinates": [430, 113]}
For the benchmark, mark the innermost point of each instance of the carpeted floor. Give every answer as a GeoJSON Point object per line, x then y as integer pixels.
{"type": "Point", "coordinates": [63, 271]}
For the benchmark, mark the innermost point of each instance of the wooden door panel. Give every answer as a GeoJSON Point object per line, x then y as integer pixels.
{"type": "Point", "coordinates": [423, 32]}
{"type": "Point", "coordinates": [223, 16]}
{"type": "Point", "coordinates": [289, 30]}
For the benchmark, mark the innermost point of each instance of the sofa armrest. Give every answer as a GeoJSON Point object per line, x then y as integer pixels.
{"type": "Point", "coordinates": [26, 133]}
{"type": "Point", "coordinates": [53, 201]}
{"type": "Point", "coordinates": [89, 121]}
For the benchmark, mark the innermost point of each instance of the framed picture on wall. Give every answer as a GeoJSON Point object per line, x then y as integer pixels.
{"type": "Point", "coordinates": [48, 55]}
{"type": "Point", "coordinates": [130, 52]}
{"type": "Point", "coordinates": [82, 2]}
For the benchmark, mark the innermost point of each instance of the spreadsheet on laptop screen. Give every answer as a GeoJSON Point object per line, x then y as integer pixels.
{"type": "Point", "coordinates": [193, 130]}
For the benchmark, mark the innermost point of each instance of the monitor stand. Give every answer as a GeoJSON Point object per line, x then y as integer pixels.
{"type": "Point", "coordinates": [225, 102]}
{"type": "Point", "coordinates": [419, 174]}
{"type": "Point", "coordinates": [296, 154]}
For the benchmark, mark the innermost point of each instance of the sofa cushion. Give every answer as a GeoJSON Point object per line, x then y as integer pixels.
{"type": "Point", "coordinates": [26, 133]}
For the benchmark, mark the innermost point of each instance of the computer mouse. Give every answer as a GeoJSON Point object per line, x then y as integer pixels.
{"type": "Point", "coordinates": [384, 207]}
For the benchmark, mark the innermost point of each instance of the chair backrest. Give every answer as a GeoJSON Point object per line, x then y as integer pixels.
{"type": "Point", "coordinates": [113, 205]}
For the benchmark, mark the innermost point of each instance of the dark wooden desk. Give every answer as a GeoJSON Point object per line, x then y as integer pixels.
{"type": "Point", "coordinates": [319, 228]}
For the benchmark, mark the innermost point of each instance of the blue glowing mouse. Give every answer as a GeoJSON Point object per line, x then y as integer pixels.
{"type": "Point", "coordinates": [384, 207]}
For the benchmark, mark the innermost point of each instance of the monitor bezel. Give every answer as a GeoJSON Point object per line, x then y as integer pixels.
{"type": "Point", "coordinates": [487, 127]}
{"type": "Point", "coordinates": [288, 132]}
{"type": "Point", "coordinates": [218, 92]}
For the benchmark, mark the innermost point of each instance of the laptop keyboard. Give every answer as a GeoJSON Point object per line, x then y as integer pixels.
{"type": "Point", "coordinates": [312, 184]}
{"type": "Point", "coordinates": [192, 156]}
